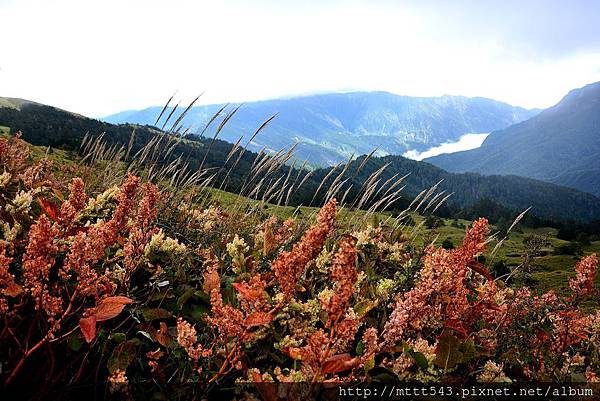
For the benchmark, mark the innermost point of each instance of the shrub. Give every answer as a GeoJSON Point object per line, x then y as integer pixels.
{"type": "Point", "coordinates": [448, 244]}
{"type": "Point", "coordinates": [500, 269]}
{"type": "Point", "coordinates": [126, 288]}
{"type": "Point", "coordinates": [433, 222]}
{"type": "Point", "coordinates": [571, 248]}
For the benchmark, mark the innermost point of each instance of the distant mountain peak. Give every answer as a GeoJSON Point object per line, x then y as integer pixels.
{"type": "Point", "coordinates": [560, 145]}
{"type": "Point", "coordinates": [329, 127]}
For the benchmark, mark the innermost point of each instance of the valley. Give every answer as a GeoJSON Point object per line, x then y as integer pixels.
{"type": "Point", "coordinates": [560, 145]}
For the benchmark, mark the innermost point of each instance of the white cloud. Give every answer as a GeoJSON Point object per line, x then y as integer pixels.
{"type": "Point", "coordinates": [465, 142]}
{"type": "Point", "coordinates": [97, 58]}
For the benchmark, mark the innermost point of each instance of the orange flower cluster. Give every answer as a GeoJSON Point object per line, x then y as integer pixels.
{"type": "Point", "coordinates": [37, 262]}
{"type": "Point", "coordinates": [141, 230]}
{"type": "Point", "coordinates": [569, 327]}
{"type": "Point", "coordinates": [451, 319]}
{"type": "Point", "coordinates": [585, 270]}
{"type": "Point", "coordinates": [227, 320]}
{"type": "Point", "coordinates": [187, 338]}
{"type": "Point", "coordinates": [289, 266]}
{"type": "Point", "coordinates": [7, 280]}
{"type": "Point", "coordinates": [88, 245]}
{"type": "Point", "coordinates": [37, 174]}
{"type": "Point", "coordinates": [14, 153]}
{"type": "Point", "coordinates": [369, 339]}
{"type": "Point", "coordinates": [126, 199]}
{"type": "Point", "coordinates": [314, 352]}
{"type": "Point", "coordinates": [343, 275]}
{"type": "Point", "coordinates": [440, 294]}
{"type": "Point", "coordinates": [75, 204]}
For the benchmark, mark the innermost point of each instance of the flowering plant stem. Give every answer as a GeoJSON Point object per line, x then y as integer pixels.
{"type": "Point", "coordinates": [40, 343]}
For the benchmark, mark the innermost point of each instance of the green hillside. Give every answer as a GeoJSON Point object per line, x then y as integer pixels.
{"type": "Point", "coordinates": [230, 167]}
{"type": "Point", "coordinates": [560, 145]}
{"type": "Point", "coordinates": [549, 268]}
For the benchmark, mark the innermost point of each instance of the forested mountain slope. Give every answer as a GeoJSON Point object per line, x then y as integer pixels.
{"type": "Point", "coordinates": [331, 127]}
{"type": "Point", "coordinates": [560, 145]}
{"type": "Point", "coordinates": [49, 126]}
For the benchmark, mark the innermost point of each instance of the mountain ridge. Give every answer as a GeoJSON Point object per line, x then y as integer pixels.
{"type": "Point", "coordinates": [330, 127]}
{"type": "Point", "coordinates": [49, 126]}
{"type": "Point", "coordinates": [560, 145]}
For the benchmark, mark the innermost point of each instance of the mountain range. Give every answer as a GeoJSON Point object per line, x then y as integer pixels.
{"type": "Point", "coordinates": [49, 126]}
{"type": "Point", "coordinates": [331, 127]}
{"type": "Point", "coordinates": [560, 145]}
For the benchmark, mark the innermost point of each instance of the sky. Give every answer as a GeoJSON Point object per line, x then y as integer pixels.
{"type": "Point", "coordinates": [100, 57]}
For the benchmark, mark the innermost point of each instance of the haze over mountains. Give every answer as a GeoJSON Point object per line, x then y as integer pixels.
{"type": "Point", "coordinates": [331, 127]}
{"type": "Point", "coordinates": [560, 145]}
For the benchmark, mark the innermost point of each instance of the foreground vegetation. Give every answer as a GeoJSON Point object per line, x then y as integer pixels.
{"type": "Point", "coordinates": [139, 287]}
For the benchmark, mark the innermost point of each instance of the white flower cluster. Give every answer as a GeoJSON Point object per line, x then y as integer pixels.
{"type": "Point", "coordinates": [21, 203]}
{"type": "Point", "coordinates": [161, 243]}
{"type": "Point", "coordinates": [366, 236]}
{"type": "Point", "coordinates": [237, 249]}
{"type": "Point", "coordinates": [493, 373]}
{"type": "Point", "coordinates": [5, 179]}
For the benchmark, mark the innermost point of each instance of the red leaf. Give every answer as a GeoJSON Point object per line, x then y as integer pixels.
{"type": "Point", "coordinates": [110, 307]}
{"type": "Point", "coordinates": [162, 335]}
{"type": "Point", "coordinates": [249, 292]}
{"type": "Point", "coordinates": [542, 336]}
{"type": "Point", "coordinates": [339, 363]}
{"type": "Point", "coordinates": [457, 325]}
{"type": "Point", "coordinates": [258, 319]}
{"type": "Point", "coordinates": [88, 328]}
{"type": "Point", "coordinates": [49, 208]}
{"type": "Point", "coordinates": [480, 268]}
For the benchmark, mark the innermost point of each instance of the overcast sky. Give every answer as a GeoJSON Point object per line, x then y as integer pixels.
{"type": "Point", "coordinates": [100, 57]}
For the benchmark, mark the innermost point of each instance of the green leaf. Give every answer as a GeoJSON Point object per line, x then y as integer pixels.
{"type": "Point", "coordinates": [122, 355]}
{"type": "Point", "coordinates": [185, 297]}
{"type": "Point", "coordinates": [383, 375]}
{"type": "Point", "coordinates": [469, 351]}
{"type": "Point", "coordinates": [448, 353]}
{"type": "Point", "coordinates": [198, 312]}
{"type": "Point", "coordinates": [451, 351]}
{"type": "Point", "coordinates": [117, 337]}
{"type": "Point", "coordinates": [162, 295]}
{"type": "Point", "coordinates": [363, 307]}
{"type": "Point", "coordinates": [418, 357]}
{"type": "Point", "coordinates": [360, 348]}
{"type": "Point", "coordinates": [369, 364]}
{"type": "Point", "coordinates": [203, 296]}
{"type": "Point", "coordinates": [375, 221]}
{"type": "Point", "coordinates": [75, 343]}
{"type": "Point", "coordinates": [155, 314]}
